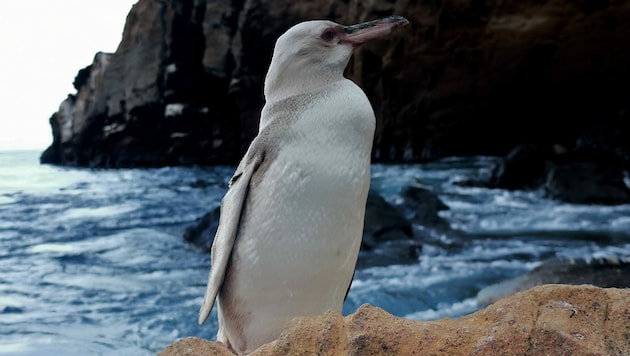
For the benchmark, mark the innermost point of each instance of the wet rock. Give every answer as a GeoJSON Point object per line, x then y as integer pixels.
{"type": "Point", "coordinates": [525, 167]}
{"type": "Point", "coordinates": [587, 183]}
{"type": "Point", "coordinates": [202, 232]}
{"type": "Point", "coordinates": [545, 320]}
{"type": "Point", "coordinates": [383, 221]}
{"type": "Point", "coordinates": [584, 175]}
{"type": "Point", "coordinates": [600, 272]}
{"type": "Point", "coordinates": [422, 207]}
{"type": "Point", "coordinates": [387, 235]}
{"type": "Point", "coordinates": [589, 170]}
{"type": "Point", "coordinates": [398, 251]}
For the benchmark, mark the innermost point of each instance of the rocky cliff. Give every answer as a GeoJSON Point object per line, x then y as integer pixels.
{"type": "Point", "coordinates": [546, 320]}
{"type": "Point", "coordinates": [467, 77]}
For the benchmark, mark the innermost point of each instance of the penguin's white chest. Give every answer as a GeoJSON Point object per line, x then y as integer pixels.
{"type": "Point", "coordinates": [311, 200]}
{"type": "Point", "coordinates": [310, 206]}
{"type": "Point", "coordinates": [314, 190]}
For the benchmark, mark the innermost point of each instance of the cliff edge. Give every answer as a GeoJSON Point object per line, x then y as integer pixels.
{"type": "Point", "coordinates": [466, 78]}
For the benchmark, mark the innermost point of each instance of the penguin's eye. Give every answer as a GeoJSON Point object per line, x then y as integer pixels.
{"type": "Point", "coordinates": [328, 35]}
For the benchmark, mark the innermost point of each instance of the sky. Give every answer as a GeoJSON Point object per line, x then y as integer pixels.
{"type": "Point", "coordinates": [43, 44]}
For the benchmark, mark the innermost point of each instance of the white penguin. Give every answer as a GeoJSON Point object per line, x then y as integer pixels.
{"type": "Point", "coordinates": [292, 220]}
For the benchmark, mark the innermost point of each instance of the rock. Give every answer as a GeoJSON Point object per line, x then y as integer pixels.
{"type": "Point", "coordinates": [545, 320]}
{"type": "Point", "coordinates": [388, 237]}
{"type": "Point", "coordinates": [422, 207]}
{"type": "Point", "coordinates": [587, 175]}
{"type": "Point", "coordinates": [202, 232]}
{"type": "Point", "coordinates": [193, 346]}
{"type": "Point", "coordinates": [154, 103]}
{"type": "Point", "coordinates": [525, 167]}
{"type": "Point", "coordinates": [587, 183]}
{"type": "Point", "coordinates": [383, 221]}
{"type": "Point", "coordinates": [72, 124]}
{"type": "Point", "coordinates": [467, 78]}
{"type": "Point", "coordinates": [604, 273]}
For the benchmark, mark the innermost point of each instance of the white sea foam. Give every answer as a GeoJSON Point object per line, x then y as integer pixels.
{"type": "Point", "coordinates": [443, 310]}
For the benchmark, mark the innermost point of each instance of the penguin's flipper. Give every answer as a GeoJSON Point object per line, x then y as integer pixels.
{"type": "Point", "coordinates": [229, 221]}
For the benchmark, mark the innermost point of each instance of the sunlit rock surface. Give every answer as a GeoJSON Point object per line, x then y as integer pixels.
{"type": "Point", "coordinates": [545, 320]}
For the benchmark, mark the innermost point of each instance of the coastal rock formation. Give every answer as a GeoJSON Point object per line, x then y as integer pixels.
{"type": "Point", "coordinates": [467, 78]}
{"type": "Point", "coordinates": [545, 320]}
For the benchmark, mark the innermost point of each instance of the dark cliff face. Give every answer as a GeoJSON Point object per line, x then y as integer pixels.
{"type": "Point", "coordinates": [466, 78]}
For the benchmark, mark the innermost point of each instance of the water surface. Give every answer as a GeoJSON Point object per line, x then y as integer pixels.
{"type": "Point", "coordinates": [92, 262]}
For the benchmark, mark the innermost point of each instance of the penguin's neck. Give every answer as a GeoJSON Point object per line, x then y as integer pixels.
{"type": "Point", "coordinates": [295, 78]}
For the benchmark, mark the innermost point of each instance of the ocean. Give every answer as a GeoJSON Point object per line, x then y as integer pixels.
{"type": "Point", "coordinates": [92, 261]}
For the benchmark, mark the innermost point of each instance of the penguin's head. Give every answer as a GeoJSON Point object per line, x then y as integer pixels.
{"type": "Point", "coordinates": [320, 50]}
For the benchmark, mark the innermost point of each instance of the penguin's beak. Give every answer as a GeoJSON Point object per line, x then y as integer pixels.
{"type": "Point", "coordinates": [363, 32]}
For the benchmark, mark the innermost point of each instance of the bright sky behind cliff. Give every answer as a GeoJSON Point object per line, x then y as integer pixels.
{"type": "Point", "coordinates": [43, 44]}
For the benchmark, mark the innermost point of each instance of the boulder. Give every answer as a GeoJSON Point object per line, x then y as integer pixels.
{"type": "Point", "coordinates": [587, 183]}
{"type": "Point", "coordinates": [202, 232]}
{"type": "Point", "coordinates": [422, 207]}
{"type": "Point", "coordinates": [524, 167]}
{"type": "Point", "coordinates": [388, 236]}
{"type": "Point", "coordinates": [545, 320]}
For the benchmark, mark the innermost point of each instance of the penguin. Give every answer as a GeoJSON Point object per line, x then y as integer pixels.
{"type": "Point", "coordinates": [291, 221]}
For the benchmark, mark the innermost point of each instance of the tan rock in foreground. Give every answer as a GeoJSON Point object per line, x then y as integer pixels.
{"type": "Point", "coordinates": [545, 320]}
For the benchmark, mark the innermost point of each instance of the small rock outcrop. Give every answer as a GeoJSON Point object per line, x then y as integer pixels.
{"type": "Point", "coordinates": [545, 320]}
{"type": "Point", "coordinates": [388, 236]}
